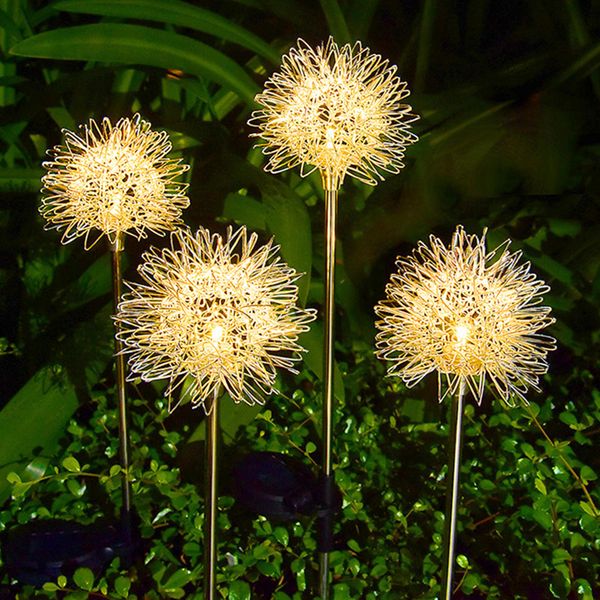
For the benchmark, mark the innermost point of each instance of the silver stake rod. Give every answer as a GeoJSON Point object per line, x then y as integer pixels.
{"type": "Point", "coordinates": [452, 497]}
{"type": "Point", "coordinates": [116, 251]}
{"type": "Point", "coordinates": [210, 500]}
{"type": "Point", "coordinates": [325, 525]}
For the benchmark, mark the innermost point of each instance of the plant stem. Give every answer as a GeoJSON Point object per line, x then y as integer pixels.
{"type": "Point", "coordinates": [565, 461]}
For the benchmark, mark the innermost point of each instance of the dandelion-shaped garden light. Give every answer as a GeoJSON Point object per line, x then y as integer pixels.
{"type": "Point", "coordinates": [473, 316]}
{"type": "Point", "coordinates": [111, 180]}
{"type": "Point", "coordinates": [339, 111]}
{"type": "Point", "coordinates": [218, 314]}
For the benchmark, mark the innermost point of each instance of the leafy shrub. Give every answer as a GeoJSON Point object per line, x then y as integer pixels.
{"type": "Point", "coordinates": [519, 499]}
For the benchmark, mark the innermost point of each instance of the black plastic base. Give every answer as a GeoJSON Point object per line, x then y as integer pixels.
{"type": "Point", "coordinates": [42, 550]}
{"type": "Point", "coordinates": [281, 488]}
{"type": "Point", "coordinates": [328, 500]}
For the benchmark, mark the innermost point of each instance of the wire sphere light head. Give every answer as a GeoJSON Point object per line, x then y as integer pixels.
{"type": "Point", "coordinates": [219, 310]}
{"type": "Point", "coordinates": [338, 110]}
{"type": "Point", "coordinates": [470, 314]}
{"type": "Point", "coordinates": [113, 179]}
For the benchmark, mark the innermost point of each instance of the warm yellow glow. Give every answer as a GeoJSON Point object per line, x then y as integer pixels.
{"type": "Point", "coordinates": [338, 110]}
{"type": "Point", "coordinates": [113, 179]}
{"type": "Point", "coordinates": [217, 334]}
{"type": "Point", "coordinates": [329, 138]}
{"type": "Point", "coordinates": [219, 310]}
{"type": "Point", "coordinates": [467, 313]}
{"type": "Point", "coordinates": [462, 334]}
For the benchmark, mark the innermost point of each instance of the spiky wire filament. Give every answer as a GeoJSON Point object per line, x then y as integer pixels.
{"type": "Point", "coordinates": [470, 314]}
{"type": "Point", "coordinates": [338, 110]}
{"type": "Point", "coordinates": [113, 179]}
{"type": "Point", "coordinates": [219, 310]}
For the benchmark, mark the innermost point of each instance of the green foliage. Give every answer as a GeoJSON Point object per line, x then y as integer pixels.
{"type": "Point", "coordinates": [518, 499]}
{"type": "Point", "coordinates": [510, 140]}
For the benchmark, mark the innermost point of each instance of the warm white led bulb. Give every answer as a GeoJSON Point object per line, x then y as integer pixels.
{"type": "Point", "coordinates": [462, 334]}
{"type": "Point", "coordinates": [217, 334]}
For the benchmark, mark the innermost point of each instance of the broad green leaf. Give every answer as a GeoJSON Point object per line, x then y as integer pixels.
{"type": "Point", "coordinates": [262, 551]}
{"type": "Point", "coordinates": [95, 281]}
{"type": "Point", "coordinates": [588, 508]}
{"type": "Point", "coordinates": [76, 488]}
{"type": "Point", "coordinates": [554, 269]}
{"type": "Point", "coordinates": [239, 590]}
{"type": "Point", "coordinates": [353, 545]}
{"type": "Point", "coordinates": [84, 578]}
{"type": "Point", "coordinates": [34, 418]}
{"type": "Point", "coordinates": [588, 474]}
{"type": "Point", "coordinates": [232, 417]}
{"type": "Point", "coordinates": [245, 210]}
{"type": "Point", "coordinates": [378, 570]}
{"type": "Point", "coordinates": [341, 591]}
{"type": "Point", "coordinates": [312, 341]}
{"type": "Point", "coordinates": [281, 535]}
{"type": "Point", "coordinates": [135, 44]}
{"type": "Point", "coordinates": [11, 31]}
{"type": "Point", "coordinates": [288, 220]}
{"type": "Point", "coordinates": [180, 578]}
{"type": "Point", "coordinates": [336, 21]}
{"type": "Point", "coordinates": [450, 134]}
{"type": "Point", "coordinates": [560, 555]}
{"type": "Point", "coordinates": [487, 486]}
{"type": "Point", "coordinates": [584, 589]}
{"type": "Point", "coordinates": [122, 585]}
{"type": "Point", "coordinates": [177, 13]}
{"type": "Point", "coordinates": [540, 486]}
{"type": "Point", "coordinates": [359, 17]}
{"type": "Point", "coordinates": [70, 463]}
{"type": "Point", "coordinates": [543, 518]}
{"type": "Point", "coordinates": [20, 180]}
{"type": "Point", "coordinates": [62, 117]}
{"type": "Point", "coordinates": [413, 409]}
{"type": "Point", "coordinates": [426, 28]}
{"type": "Point", "coordinates": [587, 62]}
{"type": "Point", "coordinates": [462, 561]}
{"type": "Point", "coordinates": [298, 565]}
{"type": "Point", "coordinates": [13, 478]}
{"type": "Point", "coordinates": [35, 469]}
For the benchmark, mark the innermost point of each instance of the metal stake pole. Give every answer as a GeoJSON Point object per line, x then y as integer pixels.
{"type": "Point", "coordinates": [452, 497]}
{"type": "Point", "coordinates": [210, 500]}
{"type": "Point", "coordinates": [116, 251]}
{"type": "Point", "coordinates": [325, 528]}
